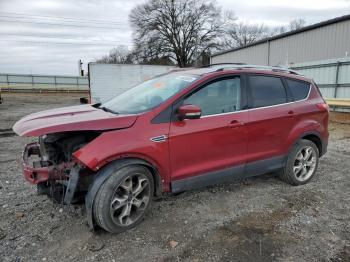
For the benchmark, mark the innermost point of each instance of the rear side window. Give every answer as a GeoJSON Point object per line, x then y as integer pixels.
{"type": "Point", "coordinates": [299, 90]}
{"type": "Point", "coordinates": [267, 91]}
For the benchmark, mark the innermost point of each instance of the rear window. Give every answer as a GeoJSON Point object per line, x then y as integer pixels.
{"type": "Point", "coordinates": [299, 89]}
{"type": "Point", "coordinates": [267, 91]}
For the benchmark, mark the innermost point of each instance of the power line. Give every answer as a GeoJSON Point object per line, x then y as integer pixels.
{"type": "Point", "coordinates": [51, 37]}
{"type": "Point", "coordinates": [57, 24]}
{"type": "Point", "coordinates": [59, 17]}
{"type": "Point", "coordinates": [62, 43]}
{"type": "Point", "coordinates": [21, 18]}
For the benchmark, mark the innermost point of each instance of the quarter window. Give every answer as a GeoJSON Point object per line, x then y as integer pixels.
{"type": "Point", "coordinates": [222, 96]}
{"type": "Point", "coordinates": [267, 91]}
{"type": "Point", "coordinates": [298, 89]}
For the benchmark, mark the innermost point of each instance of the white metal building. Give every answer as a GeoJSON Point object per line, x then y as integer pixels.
{"type": "Point", "coordinates": [326, 40]}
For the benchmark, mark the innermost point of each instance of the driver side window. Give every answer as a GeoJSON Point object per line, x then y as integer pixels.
{"type": "Point", "coordinates": [222, 96]}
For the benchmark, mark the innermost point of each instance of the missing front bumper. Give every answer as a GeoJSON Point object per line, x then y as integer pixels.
{"type": "Point", "coordinates": [39, 171]}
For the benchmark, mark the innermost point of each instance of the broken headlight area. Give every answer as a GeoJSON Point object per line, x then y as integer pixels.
{"type": "Point", "coordinates": [49, 164]}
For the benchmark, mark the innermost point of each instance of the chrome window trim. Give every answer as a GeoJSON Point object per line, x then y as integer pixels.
{"type": "Point", "coordinates": [227, 113]}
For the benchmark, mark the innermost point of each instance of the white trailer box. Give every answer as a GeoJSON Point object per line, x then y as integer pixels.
{"type": "Point", "coordinates": [109, 80]}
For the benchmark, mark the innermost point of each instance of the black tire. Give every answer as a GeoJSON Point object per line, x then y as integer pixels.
{"type": "Point", "coordinates": [287, 173]}
{"type": "Point", "coordinates": [115, 188]}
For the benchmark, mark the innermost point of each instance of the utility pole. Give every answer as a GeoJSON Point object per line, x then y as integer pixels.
{"type": "Point", "coordinates": [80, 68]}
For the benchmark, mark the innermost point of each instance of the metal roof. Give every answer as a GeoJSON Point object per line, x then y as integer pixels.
{"type": "Point", "coordinates": [306, 28]}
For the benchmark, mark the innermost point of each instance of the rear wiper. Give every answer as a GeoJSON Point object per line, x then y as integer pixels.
{"type": "Point", "coordinates": [108, 110]}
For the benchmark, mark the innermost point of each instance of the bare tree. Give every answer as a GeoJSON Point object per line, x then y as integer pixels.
{"type": "Point", "coordinates": [178, 30]}
{"type": "Point", "coordinates": [293, 25]}
{"type": "Point", "coordinates": [296, 24]}
{"type": "Point", "coordinates": [241, 34]}
{"type": "Point", "coordinates": [118, 55]}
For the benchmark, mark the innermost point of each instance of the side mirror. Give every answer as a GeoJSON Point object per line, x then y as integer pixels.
{"type": "Point", "coordinates": [84, 100]}
{"type": "Point", "coordinates": [189, 112]}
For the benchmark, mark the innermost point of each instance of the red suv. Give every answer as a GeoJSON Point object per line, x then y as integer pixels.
{"type": "Point", "coordinates": [178, 131]}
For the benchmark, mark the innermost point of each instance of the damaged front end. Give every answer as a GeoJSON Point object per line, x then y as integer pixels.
{"type": "Point", "coordinates": [50, 165]}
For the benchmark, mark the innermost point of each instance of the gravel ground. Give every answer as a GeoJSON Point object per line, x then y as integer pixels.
{"type": "Point", "coordinates": [257, 219]}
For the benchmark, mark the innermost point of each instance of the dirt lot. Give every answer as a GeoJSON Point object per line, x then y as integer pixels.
{"type": "Point", "coordinates": [258, 219]}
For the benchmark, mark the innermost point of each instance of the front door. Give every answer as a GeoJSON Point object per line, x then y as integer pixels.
{"type": "Point", "coordinates": [216, 141]}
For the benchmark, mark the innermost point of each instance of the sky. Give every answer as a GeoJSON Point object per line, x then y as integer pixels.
{"type": "Point", "coordinates": [50, 36]}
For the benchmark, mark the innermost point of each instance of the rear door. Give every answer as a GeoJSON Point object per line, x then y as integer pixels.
{"type": "Point", "coordinates": [271, 117]}
{"type": "Point", "coordinates": [215, 141]}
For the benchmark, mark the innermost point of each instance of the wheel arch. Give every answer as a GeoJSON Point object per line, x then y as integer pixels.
{"type": "Point", "coordinates": [316, 140]}
{"type": "Point", "coordinates": [103, 174]}
{"type": "Point", "coordinates": [314, 137]}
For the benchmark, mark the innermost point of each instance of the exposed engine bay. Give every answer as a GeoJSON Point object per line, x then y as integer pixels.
{"type": "Point", "coordinates": [58, 148]}
{"type": "Point", "coordinates": [54, 170]}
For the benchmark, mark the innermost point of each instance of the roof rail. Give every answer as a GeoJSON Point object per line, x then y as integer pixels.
{"type": "Point", "coordinates": [222, 64]}
{"type": "Point", "coordinates": [259, 67]}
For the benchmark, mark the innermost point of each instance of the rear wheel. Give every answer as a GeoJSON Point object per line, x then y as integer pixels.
{"type": "Point", "coordinates": [122, 200]}
{"type": "Point", "coordinates": [301, 164]}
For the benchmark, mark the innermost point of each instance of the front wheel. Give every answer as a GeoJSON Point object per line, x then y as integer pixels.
{"type": "Point", "coordinates": [301, 164]}
{"type": "Point", "coordinates": [122, 200]}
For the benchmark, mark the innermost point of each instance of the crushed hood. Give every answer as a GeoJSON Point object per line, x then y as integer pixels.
{"type": "Point", "coordinates": [73, 118]}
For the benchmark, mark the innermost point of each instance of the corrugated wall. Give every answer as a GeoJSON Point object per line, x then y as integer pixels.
{"type": "Point", "coordinates": [324, 74]}
{"type": "Point", "coordinates": [321, 43]}
{"type": "Point", "coordinates": [253, 55]}
{"type": "Point", "coordinates": [325, 42]}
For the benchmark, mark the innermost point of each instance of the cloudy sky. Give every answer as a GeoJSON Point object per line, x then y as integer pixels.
{"type": "Point", "coordinates": [50, 36]}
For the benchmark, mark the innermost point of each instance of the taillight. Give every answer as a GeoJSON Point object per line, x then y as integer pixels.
{"type": "Point", "coordinates": [322, 106]}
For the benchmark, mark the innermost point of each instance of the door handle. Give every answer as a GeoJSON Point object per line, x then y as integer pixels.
{"type": "Point", "coordinates": [235, 123]}
{"type": "Point", "coordinates": [291, 113]}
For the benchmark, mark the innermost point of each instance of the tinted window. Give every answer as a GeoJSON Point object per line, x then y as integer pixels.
{"type": "Point", "coordinates": [298, 89]}
{"type": "Point", "coordinates": [219, 97]}
{"type": "Point", "coordinates": [267, 91]}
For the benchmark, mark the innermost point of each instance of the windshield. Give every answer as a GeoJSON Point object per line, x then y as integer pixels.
{"type": "Point", "coordinates": [148, 94]}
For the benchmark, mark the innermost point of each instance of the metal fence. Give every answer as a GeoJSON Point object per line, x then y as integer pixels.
{"type": "Point", "coordinates": [332, 76]}
{"type": "Point", "coordinates": [43, 83]}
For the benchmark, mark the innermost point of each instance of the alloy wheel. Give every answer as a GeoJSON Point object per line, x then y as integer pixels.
{"type": "Point", "coordinates": [130, 200]}
{"type": "Point", "coordinates": [305, 163]}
